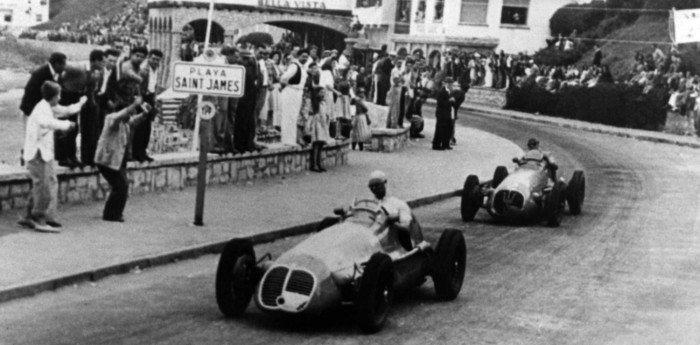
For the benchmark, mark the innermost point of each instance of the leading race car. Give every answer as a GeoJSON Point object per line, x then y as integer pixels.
{"type": "Point", "coordinates": [527, 193]}
{"type": "Point", "coordinates": [358, 257]}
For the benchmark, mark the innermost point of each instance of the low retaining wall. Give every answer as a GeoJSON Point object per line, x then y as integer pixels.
{"type": "Point", "coordinates": [171, 172]}
{"type": "Point", "coordinates": [486, 96]}
{"type": "Point", "coordinates": [389, 140]}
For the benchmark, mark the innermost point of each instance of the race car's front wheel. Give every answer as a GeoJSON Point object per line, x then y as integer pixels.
{"type": "Point", "coordinates": [235, 277]}
{"type": "Point", "coordinates": [498, 176]}
{"type": "Point", "coordinates": [555, 204]}
{"type": "Point", "coordinates": [449, 265]}
{"type": "Point", "coordinates": [576, 192]}
{"type": "Point", "coordinates": [375, 293]}
{"type": "Point", "coordinates": [471, 198]}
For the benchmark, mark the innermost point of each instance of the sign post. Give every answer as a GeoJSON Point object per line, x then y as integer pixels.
{"type": "Point", "coordinates": [206, 79]}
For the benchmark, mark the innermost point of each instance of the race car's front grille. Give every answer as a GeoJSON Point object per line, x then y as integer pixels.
{"type": "Point", "coordinates": [508, 199]}
{"type": "Point", "coordinates": [272, 285]}
{"type": "Point", "coordinates": [300, 282]}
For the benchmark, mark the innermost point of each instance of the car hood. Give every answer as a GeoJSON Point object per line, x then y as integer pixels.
{"type": "Point", "coordinates": [521, 180]}
{"type": "Point", "coordinates": [339, 248]}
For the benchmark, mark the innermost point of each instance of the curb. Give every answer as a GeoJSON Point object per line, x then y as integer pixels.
{"type": "Point", "coordinates": [602, 129]}
{"type": "Point", "coordinates": [193, 252]}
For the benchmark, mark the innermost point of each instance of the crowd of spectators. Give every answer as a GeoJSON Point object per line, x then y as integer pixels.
{"type": "Point", "coordinates": [125, 28]}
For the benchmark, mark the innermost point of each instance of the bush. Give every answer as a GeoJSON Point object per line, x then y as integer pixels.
{"type": "Point", "coordinates": [617, 105]}
{"type": "Point", "coordinates": [580, 17]}
{"type": "Point", "coordinates": [552, 56]}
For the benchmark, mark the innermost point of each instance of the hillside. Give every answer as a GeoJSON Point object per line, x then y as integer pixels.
{"type": "Point", "coordinates": [72, 11]}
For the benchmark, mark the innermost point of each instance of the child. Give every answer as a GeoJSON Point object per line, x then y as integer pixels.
{"type": "Point", "coordinates": [360, 123]}
{"type": "Point", "coordinates": [39, 155]}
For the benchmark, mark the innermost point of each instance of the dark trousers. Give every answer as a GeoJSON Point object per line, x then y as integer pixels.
{"type": "Point", "coordinates": [90, 129]}
{"type": "Point", "coordinates": [142, 132]}
{"type": "Point", "coordinates": [116, 201]}
{"type": "Point", "coordinates": [64, 143]}
{"type": "Point", "coordinates": [443, 134]}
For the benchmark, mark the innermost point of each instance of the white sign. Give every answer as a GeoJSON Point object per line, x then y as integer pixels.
{"type": "Point", "coordinates": [206, 79]}
{"type": "Point", "coordinates": [207, 110]}
{"type": "Point", "coordinates": [316, 5]}
{"type": "Point", "coordinates": [686, 26]}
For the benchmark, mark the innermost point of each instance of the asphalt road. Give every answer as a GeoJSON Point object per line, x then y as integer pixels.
{"type": "Point", "coordinates": [626, 271]}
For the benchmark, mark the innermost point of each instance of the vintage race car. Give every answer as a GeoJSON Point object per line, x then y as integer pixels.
{"type": "Point", "coordinates": [527, 193]}
{"type": "Point", "coordinates": [358, 257]}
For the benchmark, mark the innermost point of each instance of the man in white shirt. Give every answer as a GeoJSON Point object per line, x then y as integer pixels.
{"type": "Point", "coordinates": [291, 94]}
{"type": "Point", "coordinates": [264, 84]}
{"type": "Point", "coordinates": [39, 155]}
{"type": "Point", "coordinates": [396, 209]}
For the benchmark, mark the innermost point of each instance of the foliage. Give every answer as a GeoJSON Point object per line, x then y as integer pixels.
{"type": "Point", "coordinates": [257, 38]}
{"type": "Point", "coordinates": [14, 54]}
{"type": "Point", "coordinates": [579, 17]}
{"type": "Point", "coordinates": [554, 57]}
{"type": "Point", "coordinates": [619, 105]}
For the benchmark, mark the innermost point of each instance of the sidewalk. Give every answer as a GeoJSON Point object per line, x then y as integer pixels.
{"type": "Point", "coordinates": [161, 223]}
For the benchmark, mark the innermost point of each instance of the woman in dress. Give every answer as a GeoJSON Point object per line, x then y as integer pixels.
{"type": "Point", "coordinates": [274, 99]}
{"type": "Point", "coordinates": [361, 132]}
{"type": "Point", "coordinates": [327, 81]}
{"type": "Point", "coordinates": [317, 126]}
{"type": "Point", "coordinates": [393, 100]}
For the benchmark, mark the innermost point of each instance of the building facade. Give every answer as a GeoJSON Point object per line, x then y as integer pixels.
{"type": "Point", "coordinates": [434, 26]}
{"type": "Point", "coordinates": [23, 13]}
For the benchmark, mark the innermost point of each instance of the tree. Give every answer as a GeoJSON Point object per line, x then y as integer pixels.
{"type": "Point", "coordinates": [257, 38]}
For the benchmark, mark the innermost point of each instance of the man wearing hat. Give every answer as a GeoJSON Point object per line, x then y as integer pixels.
{"type": "Point", "coordinates": [397, 210]}
{"type": "Point", "coordinates": [445, 115]}
{"type": "Point", "coordinates": [536, 156]}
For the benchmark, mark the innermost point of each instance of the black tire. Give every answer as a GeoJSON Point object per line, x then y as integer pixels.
{"type": "Point", "coordinates": [375, 293]}
{"type": "Point", "coordinates": [449, 265]}
{"type": "Point", "coordinates": [235, 277]}
{"type": "Point", "coordinates": [555, 204]}
{"type": "Point", "coordinates": [327, 223]}
{"type": "Point", "coordinates": [576, 192]}
{"type": "Point", "coordinates": [471, 198]}
{"type": "Point", "coordinates": [499, 175]}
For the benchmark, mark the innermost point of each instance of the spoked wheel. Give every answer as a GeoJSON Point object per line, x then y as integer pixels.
{"type": "Point", "coordinates": [449, 265]}
{"type": "Point", "coordinates": [236, 277]}
{"type": "Point", "coordinates": [576, 192]}
{"type": "Point", "coordinates": [471, 198]}
{"type": "Point", "coordinates": [376, 293]}
{"type": "Point", "coordinates": [555, 204]}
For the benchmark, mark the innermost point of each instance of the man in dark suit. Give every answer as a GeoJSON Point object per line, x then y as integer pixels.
{"type": "Point", "coordinates": [244, 127]}
{"type": "Point", "coordinates": [444, 114]}
{"type": "Point", "coordinates": [149, 90]}
{"type": "Point", "coordinates": [32, 91]}
{"type": "Point", "coordinates": [386, 65]}
{"type": "Point", "coordinates": [73, 81]}
{"type": "Point", "coordinates": [90, 119]}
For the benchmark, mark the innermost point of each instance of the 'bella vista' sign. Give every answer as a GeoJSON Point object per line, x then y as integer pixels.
{"type": "Point", "coordinates": [317, 5]}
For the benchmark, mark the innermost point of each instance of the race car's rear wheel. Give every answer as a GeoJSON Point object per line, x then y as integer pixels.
{"type": "Point", "coordinates": [449, 265]}
{"type": "Point", "coordinates": [499, 175]}
{"type": "Point", "coordinates": [576, 192]}
{"type": "Point", "coordinates": [555, 204]}
{"type": "Point", "coordinates": [471, 198]}
{"type": "Point", "coordinates": [235, 277]}
{"type": "Point", "coordinates": [375, 293]}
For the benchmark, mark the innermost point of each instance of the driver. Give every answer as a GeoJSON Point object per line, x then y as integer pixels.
{"type": "Point", "coordinates": [536, 155]}
{"type": "Point", "coordinates": [392, 205]}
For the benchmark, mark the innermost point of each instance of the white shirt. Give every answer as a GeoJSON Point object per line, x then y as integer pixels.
{"type": "Point", "coordinates": [54, 75]}
{"type": "Point", "coordinates": [396, 206]}
{"type": "Point", "coordinates": [107, 73]}
{"type": "Point", "coordinates": [266, 75]}
{"type": "Point", "coordinates": [289, 74]}
{"type": "Point", "coordinates": [39, 135]}
{"type": "Point", "coordinates": [152, 79]}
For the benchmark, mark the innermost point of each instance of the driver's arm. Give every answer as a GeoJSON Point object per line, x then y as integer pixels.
{"type": "Point", "coordinates": [404, 215]}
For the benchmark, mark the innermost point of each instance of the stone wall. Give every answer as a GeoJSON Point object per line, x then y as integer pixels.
{"type": "Point", "coordinates": [389, 140]}
{"type": "Point", "coordinates": [486, 96]}
{"type": "Point", "coordinates": [171, 172]}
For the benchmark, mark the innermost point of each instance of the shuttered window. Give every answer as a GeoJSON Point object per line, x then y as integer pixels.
{"type": "Point", "coordinates": [474, 11]}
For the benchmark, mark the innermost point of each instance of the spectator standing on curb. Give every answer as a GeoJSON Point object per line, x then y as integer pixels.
{"type": "Point", "coordinates": [263, 85]}
{"type": "Point", "coordinates": [73, 81]}
{"type": "Point", "coordinates": [39, 155]}
{"type": "Point", "coordinates": [32, 91]}
{"type": "Point", "coordinates": [597, 56]}
{"type": "Point", "coordinates": [361, 132]}
{"type": "Point", "coordinates": [142, 132]}
{"type": "Point", "coordinates": [112, 151]}
{"type": "Point", "coordinates": [90, 121]}
{"type": "Point", "coordinates": [108, 89]}
{"type": "Point", "coordinates": [292, 81]}
{"type": "Point", "coordinates": [444, 114]}
{"type": "Point", "coordinates": [244, 127]}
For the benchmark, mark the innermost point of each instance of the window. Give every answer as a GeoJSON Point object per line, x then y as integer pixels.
{"type": "Point", "coordinates": [403, 17]}
{"type": "Point", "coordinates": [515, 12]}
{"type": "Point", "coordinates": [369, 3]}
{"type": "Point", "coordinates": [44, 2]}
{"type": "Point", "coordinates": [420, 12]}
{"type": "Point", "coordinates": [474, 11]}
{"type": "Point", "coordinates": [39, 18]}
{"type": "Point", "coordinates": [439, 7]}
{"type": "Point", "coordinates": [8, 17]}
